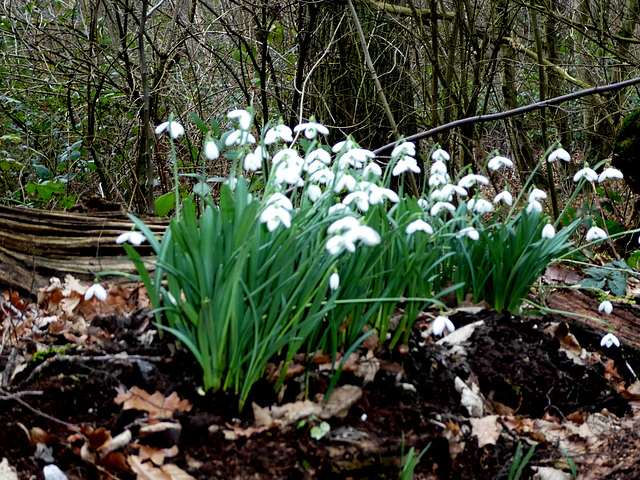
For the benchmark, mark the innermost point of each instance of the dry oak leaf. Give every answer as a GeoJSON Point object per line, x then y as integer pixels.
{"type": "Point", "coordinates": [157, 405]}
{"type": "Point", "coordinates": [147, 471]}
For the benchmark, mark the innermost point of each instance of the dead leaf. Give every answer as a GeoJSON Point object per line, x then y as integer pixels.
{"type": "Point", "coordinates": [548, 473]}
{"type": "Point", "coordinates": [157, 455]}
{"type": "Point", "coordinates": [157, 405]}
{"type": "Point", "coordinates": [487, 429]}
{"type": "Point", "coordinates": [341, 400]}
{"type": "Point", "coordinates": [261, 416]}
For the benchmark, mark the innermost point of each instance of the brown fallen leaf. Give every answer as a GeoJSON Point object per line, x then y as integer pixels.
{"type": "Point", "coordinates": [487, 429]}
{"type": "Point", "coordinates": [147, 471]}
{"type": "Point", "coordinates": [157, 405]}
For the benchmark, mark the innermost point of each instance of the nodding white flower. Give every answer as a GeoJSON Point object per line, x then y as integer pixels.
{"type": "Point", "coordinates": [536, 195]}
{"type": "Point", "coordinates": [243, 117]}
{"type": "Point", "coordinates": [596, 233]}
{"type": "Point", "coordinates": [379, 194]}
{"type": "Point", "coordinates": [355, 157]}
{"type": "Point", "coordinates": [95, 290]}
{"type": "Point", "coordinates": [364, 233]}
{"type": "Point", "coordinates": [606, 307]}
{"type": "Point", "coordinates": [610, 173]}
{"type": "Point", "coordinates": [504, 197]}
{"type": "Point", "coordinates": [324, 176]}
{"type": "Point", "coordinates": [211, 150]}
{"type": "Point", "coordinates": [314, 192]}
{"type": "Point", "coordinates": [334, 281]}
{"type": "Point", "coordinates": [587, 173]}
{"type": "Point", "coordinates": [440, 205]}
{"type": "Point", "coordinates": [311, 129]}
{"type": "Point", "coordinates": [336, 244]}
{"type": "Point", "coordinates": [288, 173]}
{"type": "Point", "coordinates": [348, 144]}
{"type": "Point", "coordinates": [480, 205]}
{"type": "Point", "coordinates": [548, 231]}
{"type": "Point", "coordinates": [361, 199]}
{"type": "Point", "coordinates": [438, 168]}
{"type": "Point", "coordinates": [404, 164]}
{"type": "Point", "coordinates": [279, 132]}
{"type": "Point", "coordinates": [319, 155]}
{"type": "Point", "coordinates": [470, 180]}
{"type": "Point", "coordinates": [275, 216]}
{"type": "Point", "coordinates": [440, 324]}
{"type": "Point", "coordinates": [253, 161]}
{"type": "Point", "coordinates": [404, 149]}
{"type": "Point", "coordinates": [440, 155]}
{"type": "Point", "coordinates": [174, 128]}
{"type": "Point", "coordinates": [344, 224]}
{"type": "Point", "coordinates": [287, 155]}
{"type": "Point", "coordinates": [534, 206]}
{"type": "Point", "coordinates": [419, 226]}
{"type": "Point", "coordinates": [609, 340]}
{"type": "Point", "coordinates": [496, 162]}
{"type": "Point", "coordinates": [470, 232]}
{"type": "Point", "coordinates": [133, 237]}
{"type": "Point", "coordinates": [561, 154]}
{"type": "Point", "coordinates": [239, 137]}
{"type": "Point", "coordinates": [343, 181]}
{"type": "Point", "coordinates": [280, 200]}
{"type": "Point", "coordinates": [423, 204]}
{"type": "Point", "coordinates": [436, 180]}
{"type": "Point", "coordinates": [441, 195]}
{"type": "Point", "coordinates": [372, 170]}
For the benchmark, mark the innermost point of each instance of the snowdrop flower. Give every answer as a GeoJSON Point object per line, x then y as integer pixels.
{"type": "Point", "coordinates": [133, 237]}
{"type": "Point", "coordinates": [423, 204]}
{"type": "Point", "coordinates": [280, 200]}
{"type": "Point", "coordinates": [174, 128]}
{"type": "Point", "coordinates": [404, 149]}
{"type": "Point", "coordinates": [314, 192]}
{"type": "Point", "coordinates": [536, 195]}
{"type": "Point", "coordinates": [534, 206]}
{"type": "Point", "coordinates": [355, 158]}
{"type": "Point", "coordinates": [319, 155]}
{"type": "Point", "coordinates": [361, 200]}
{"type": "Point", "coordinates": [243, 117]}
{"type": "Point", "coordinates": [587, 173]}
{"type": "Point", "coordinates": [336, 244]}
{"type": "Point", "coordinates": [345, 181]}
{"type": "Point", "coordinates": [348, 144]}
{"type": "Point", "coordinates": [280, 132]}
{"type": "Point", "coordinates": [311, 129]}
{"type": "Point", "coordinates": [288, 173]}
{"type": "Point", "coordinates": [338, 207]}
{"type": "Point", "coordinates": [419, 225]}
{"type": "Point", "coordinates": [610, 173]}
{"type": "Point", "coordinates": [379, 194]}
{"type": "Point", "coordinates": [479, 205]}
{"type": "Point", "coordinates": [438, 168]}
{"type": "Point", "coordinates": [561, 154]}
{"type": "Point", "coordinates": [211, 150]}
{"type": "Point", "coordinates": [470, 180]}
{"type": "Point", "coordinates": [274, 216]}
{"type": "Point", "coordinates": [548, 231]}
{"type": "Point", "coordinates": [504, 197]}
{"type": "Point", "coordinates": [365, 234]}
{"type": "Point", "coordinates": [609, 340]}
{"type": "Point", "coordinates": [436, 180]}
{"type": "Point", "coordinates": [253, 161]}
{"type": "Point", "coordinates": [287, 155]}
{"type": "Point", "coordinates": [596, 233]}
{"type": "Point", "coordinates": [440, 155]}
{"type": "Point", "coordinates": [404, 164]}
{"type": "Point", "coordinates": [372, 170]}
{"type": "Point", "coordinates": [605, 307]}
{"type": "Point", "coordinates": [345, 223]}
{"type": "Point", "coordinates": [441, 195]}
{"type": "Point", "coordinates": [496, 162]}
{"type": "Point", "coordinates": [440, 205]}
{"type": "Point", "coordinates": [334, 281]}
{"type": "Point", "coordinates": [324, 176]}
{"type": "Point", "coordinates": [470, 232]}
{"type": "Point", "coordinates": [95, 290]}
{"type": "Point", "coordinates": [239, 137]}
{"type": "Point", "coordinates": [440, 324]}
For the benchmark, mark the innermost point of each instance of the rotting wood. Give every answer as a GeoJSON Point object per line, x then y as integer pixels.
{"type": "Point", "coordinates": [36, 245]}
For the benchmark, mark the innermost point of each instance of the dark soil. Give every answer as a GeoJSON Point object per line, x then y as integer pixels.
{"type": "Point", "coordinates": [412, 402]}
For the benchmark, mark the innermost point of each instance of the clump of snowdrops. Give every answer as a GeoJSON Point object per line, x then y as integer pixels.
{"type": "Point", "coordinates": [322, 254]}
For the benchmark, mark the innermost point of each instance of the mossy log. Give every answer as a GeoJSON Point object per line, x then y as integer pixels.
{"type": "Point", "coordinates": [36, 245]}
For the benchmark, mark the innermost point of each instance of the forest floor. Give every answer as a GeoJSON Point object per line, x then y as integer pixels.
{"type": "Point", "coordinates": [106, 398]}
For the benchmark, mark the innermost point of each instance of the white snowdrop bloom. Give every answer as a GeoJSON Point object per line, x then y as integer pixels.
{"type": "Point", "coordinates": [311, 129]}
{"type": "Point", "coordinates": [440, 195]}
{"type": "Point", "coordinates": [313, 167]}
{"type": "Point", "coordinates": [470, 232]}
{"type": "Point", "coordinates": [324, 176]}
{"type": "Point", "coordinates": [419, 226]}
{"type": "Point", "coordinates": [347, 144]}
{"type": "Point", "coordinates": [496, 162]}
{"type": "Point", "coordinates": [355, 158]}
{"type": "Point", "coordinates": [314, 192]}
{"type": "Point", "coordinates": [480, 205]}
{"type": "Point", "coordinates": [379, 194]}
{"type": "Point", "coordinates": [50, 472]}
{"type": "Point", "coordinates": [133, 237]}
{"type": "Point", "coordinates": [279, 132]}
{"type": "Point", "coordinates": [423, 204]}
{"type": "Point", "coordinates": [404, 164]}
{"type": "Point", "coordinates": [372, 170]}
{"type": "Point", "coordinates": [404, 149]}
{"type": "Point", "coordinates": [451, 188]}
{"type": "Point", "coordinates": [559, 154]}
{"type": "Point", "coordinates": [609, 340]}
{"type": "Point", "coordinates": [174, 128]}
{"type": "Point", "coordinates": [438, 168]}
{"type": "Point", "coordinates": [596, 233]}
{"type": "Point", "coordinates": [344, 224]}
{"type": "Point", "coordinates": [275, 216]}
{"type": "Point", "coordinates": [318, 155]}
{"type": "Point", "coordinates": [287, 155]}
{"type": "Point", "coordinates": [548, 231]}
{"type": "Point", "coordinates": [361, 199]}
{"type": "Point", "coordinates": [338, 207]}
{"type": "Point", "coordinates": [504, 197]}
{"type": "Point", "coordinates": [243, 117]}
{"type": "Point", "coordinates": [440, 324]}
{"type": "Point", "coordinates": [437, 180]}
{"type": "Point", "coordinates": [253, 160]}
{"type": "Point", "coordinates": [440, 205]}
{"type": "Point", "coordinates": [288, 173]}
{"type": "Point", "coordinates": [364, 233]}
{"type": "Point", "coordinates": [334, 281]}
{"type": "Point", "coordinates": [534, 206]}
{"type": "Point", "coordinates": [470, 180]}
{"type": "Point", "coordinates": [536, 195]}
{"type": "Point", "coordinates": [280, 200]}
{"type": "Point", "coordinates": [440, 155]}
{"type": "Point", "coordinates": [211, 150]}
{"type": "Point", "coordinates": [336, 244]}
{"type": "Point", "coordinates": [606, 307]}
{"type": "Point", "coordinates": [239, 137]}
{"type": "Point", "coordinates": [343, 181]}
{"type": "Point", "coordinates": [610, 173]}
{"type": "Point", "coordinates": [587, 173]}
{"type": "Point", "coordinates": [95, 290]}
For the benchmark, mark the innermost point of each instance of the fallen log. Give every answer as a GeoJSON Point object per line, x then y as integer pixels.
{"type": "Point", "coordinates": [36, 245]}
